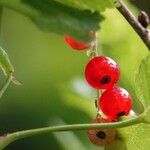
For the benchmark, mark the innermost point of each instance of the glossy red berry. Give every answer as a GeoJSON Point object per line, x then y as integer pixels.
{"type": "Point", "coordinates": [101, 137]}
{"type": "Point", "coordinates": [115, 102]}
{"type": "Point", "coordinates": [75, 44]}
{"type": "Point", "coordinates": [102, 72]}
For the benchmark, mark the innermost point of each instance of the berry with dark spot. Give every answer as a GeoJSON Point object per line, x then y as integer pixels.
{"type": "Point", "coordinates": [115, 102]}
{"type": "Point", "coordinates": [101, 137]}
{"type": "Point", "coordinates": [102, 72]}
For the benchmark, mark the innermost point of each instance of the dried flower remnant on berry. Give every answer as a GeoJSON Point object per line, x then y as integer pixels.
{"type": "Point", "coordinates": [101, 137]}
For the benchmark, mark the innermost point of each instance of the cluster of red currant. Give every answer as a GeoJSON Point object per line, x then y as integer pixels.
{"type": "Point", "coordinates": [102, 73]}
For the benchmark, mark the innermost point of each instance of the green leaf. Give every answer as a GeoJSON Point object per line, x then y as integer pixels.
{"type": "Point", "coordinates": [99, 5]}
{"type": "Point", "coordinates": [5, 63]}
{"type": "Point", "coordinates": [56, 17]}
{"type": "Point", "coordinates": [136, 137]}
{"type": "Point", "coordinates": [142, 82]}
{"type": "Point", "coordinates": [118, 144]}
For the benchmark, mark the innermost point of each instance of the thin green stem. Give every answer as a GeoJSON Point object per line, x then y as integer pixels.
{"type": "Point", "coordinates": [96, 44]}
{"type": "Point", "coordinates": [5, 86]}
{"type": "Point", "coordinates": [32, 132]}
{"type": "Point", "coordinates": [96, 54]}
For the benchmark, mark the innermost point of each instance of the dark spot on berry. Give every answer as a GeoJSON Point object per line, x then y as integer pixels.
{"type": "Point", "coordinates": [106, 79]}
{"type": "Point", "coordinates": [121, 113]}
{"type": "Point", "coordinates": [101, 134]}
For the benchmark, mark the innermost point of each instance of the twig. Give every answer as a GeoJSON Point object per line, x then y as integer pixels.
{"type": "Point", "coordinates": [5, 86]}
{"type": "Point", "coordinates": [142, 32]}
{"type": "Point", "coordinates": [9, 138]}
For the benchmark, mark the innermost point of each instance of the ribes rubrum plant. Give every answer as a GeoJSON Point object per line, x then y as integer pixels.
{"type": "Point", "coordinates": [78, 22]}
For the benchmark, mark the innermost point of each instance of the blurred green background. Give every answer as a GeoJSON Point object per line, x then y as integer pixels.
{"type": "Point", "coordinates": [54, 90]}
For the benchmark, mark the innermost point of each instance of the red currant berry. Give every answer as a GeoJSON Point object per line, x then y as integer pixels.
{"type": "Point", "coordinates": [75, 44]}
{"type": "Point", "coordinates": [102, 72]}
{"type": "Point", "coordinates": [101, 137]}
{"type": "Point", "coordinates": [115, 102]}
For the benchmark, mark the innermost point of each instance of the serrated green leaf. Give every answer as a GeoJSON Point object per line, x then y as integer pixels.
{"type": "Point", "coordinates": [99, 5]}
{"type": "Point", "coordinates": [118, 144]}
{"type": "Point", "coordinates": [136, 137]}
{"type": "Point", "coordinates": [142, 82]}
{"type": "Point", "coordinates": [5, 63]}
{"type": "Point", "coordinates": [56, 17]}
{"type": "Point", "coordinates": [147, 115]}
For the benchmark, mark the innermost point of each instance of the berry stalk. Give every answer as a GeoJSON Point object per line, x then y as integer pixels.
{"type": "Point", "coordinates": [5, 86]}
{"type": "Point", "coordinates": [94, 52]}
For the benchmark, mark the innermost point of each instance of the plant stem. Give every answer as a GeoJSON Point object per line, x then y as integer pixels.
{"type": "Point", "coordinates": [141, 31]}
{"type": "Point", "coordinates": [28, 133]}
{"type": "Point", "coordinates": [96, 54]}
{"type": "Point", "coordinates": [5, 86]}
{"type": "Point", "coordinates": [31, 132]}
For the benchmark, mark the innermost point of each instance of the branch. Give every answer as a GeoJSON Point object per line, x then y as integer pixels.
{"type": "Point", "coordinates": [5, 86]}
{"type": "Point", "coordinates": [9, 138]}
{"type": "Point", "coordinates": [141, 31]}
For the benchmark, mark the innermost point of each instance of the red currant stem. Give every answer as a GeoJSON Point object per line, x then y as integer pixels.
{"type": "Point", "coordinates": [95, 50]}
{"type": "Point", "coordinates": [32, 132]}
{"type": "Point", "coordinates": [5, 86]}
{"type": "Point", "coordinates": [99, 92]}
{"type": "Point", "coordinates": [132, 20]}
{"type": "Point", "coordinates": [96, 44]}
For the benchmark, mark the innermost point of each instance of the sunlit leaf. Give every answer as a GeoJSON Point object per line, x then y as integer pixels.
{"type": "Point", "coordinates": [5, 63]}
{"type": "Point", "coordinates": [118, 144]}
{"type": "Point", "coordinates": [136, 137]}
{"type": "Point", "coordinates": [99, 5]}
{"type": "Point", "coordinates": [143, 82]}
{"type": "Point", "coordinates": [56, 17]}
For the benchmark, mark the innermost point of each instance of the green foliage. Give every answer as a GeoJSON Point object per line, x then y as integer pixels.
{"type": "Point", "coordinates": [136, 137]}
{"type": "Point", "coordinates": [119, 44]}
{"type": "Point", "coordinates": [43, 63]}
{"type": "Point", "coordinates": [5, 63]}
{"type": "Point", "coordinates": [143, 82]}
{"type": "Point", "coordinates": [143, 86]}
{"type": "Point", "coordinates": [59, 18]}
{"type": "Point", "coordinates": [53, 16]}
{"type": "Point", "coordinates": [118, 144]}
{"type": "Point", "coordinates": [99, 5]}
{"type": "Point", "coordinates": [76, 18]}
